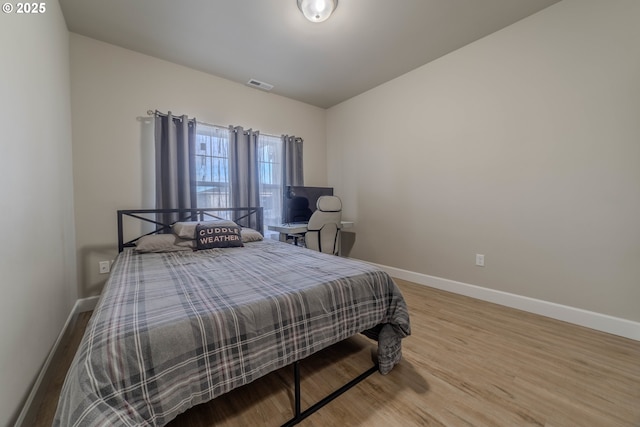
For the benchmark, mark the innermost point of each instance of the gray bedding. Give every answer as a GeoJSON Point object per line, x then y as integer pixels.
{"type": "Point", "coordinates": [172, 330]}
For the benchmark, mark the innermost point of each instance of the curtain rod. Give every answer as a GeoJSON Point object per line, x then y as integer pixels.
{"type": "Point", "coordinates": [158, 113]}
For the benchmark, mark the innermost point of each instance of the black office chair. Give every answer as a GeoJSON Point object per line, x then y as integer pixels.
{"type": "Point", "coordinates": [299, 212]}
{"type": "Point", "coordinates": [299, 209]}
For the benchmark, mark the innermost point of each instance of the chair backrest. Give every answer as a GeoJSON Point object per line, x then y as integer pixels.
{"type": "Point", "coordinates": [323, 229]}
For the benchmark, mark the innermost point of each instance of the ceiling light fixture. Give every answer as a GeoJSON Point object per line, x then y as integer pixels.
{"type": "Point", "coordinates": [317, 10]}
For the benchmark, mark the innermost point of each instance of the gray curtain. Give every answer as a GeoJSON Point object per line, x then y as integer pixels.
{"type": "Point", "coordinates": [175, 138]}
{"type": "Point", "coordinates": [243, 170]}
{"type": "Point", "coordinates": [292, 172]}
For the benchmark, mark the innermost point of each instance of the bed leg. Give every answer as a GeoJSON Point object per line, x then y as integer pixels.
{"type": "Point", "coordinates": [296, 376]}
{"type": "Point", "coordinates": [301, 415]}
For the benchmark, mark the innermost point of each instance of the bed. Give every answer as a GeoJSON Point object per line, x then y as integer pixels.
{"type": "Point", "coordinates": [176, 328]}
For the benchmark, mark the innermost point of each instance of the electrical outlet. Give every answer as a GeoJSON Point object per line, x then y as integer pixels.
{"type": "Point", "coordinates": [105, 267]}
{"type": "Point", "coordinates": [480, 260]}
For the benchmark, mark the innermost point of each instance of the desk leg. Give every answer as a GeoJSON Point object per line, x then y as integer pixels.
{"type": "Point", "coordinates": [283, 237]}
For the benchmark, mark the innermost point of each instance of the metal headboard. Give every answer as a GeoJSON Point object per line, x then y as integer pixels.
{"type": "Point", "coordinates": [249, 217]}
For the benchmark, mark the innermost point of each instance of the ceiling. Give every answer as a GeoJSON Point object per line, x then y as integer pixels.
{"type": "Point", "coordinates": [365, 42]}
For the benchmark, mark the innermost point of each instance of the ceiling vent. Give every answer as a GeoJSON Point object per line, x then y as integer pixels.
{"type": "Point", "coordinates": [260, 85]}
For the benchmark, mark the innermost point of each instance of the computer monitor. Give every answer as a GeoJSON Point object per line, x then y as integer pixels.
{"type": "Point", "coordinates": [300, 202]}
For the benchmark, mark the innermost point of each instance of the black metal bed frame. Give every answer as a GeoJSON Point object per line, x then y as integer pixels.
{"type": "Point", "coordinates": [301, 415]}
{"type": "Point", "coordinates": [254, 219]}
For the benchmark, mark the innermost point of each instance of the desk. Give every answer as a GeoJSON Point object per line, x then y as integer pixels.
{"type": "Point", "coordinates": [287, 229]}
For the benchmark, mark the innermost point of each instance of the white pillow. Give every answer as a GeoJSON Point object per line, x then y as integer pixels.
{"type": "Point", "coordinates": [161, 243]}
{"type": "Point", "coordinates": [250, 235]}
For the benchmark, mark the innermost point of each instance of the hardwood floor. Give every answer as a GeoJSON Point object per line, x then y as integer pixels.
{"type": "Point", "coordinates": [467, 363]}
{"type": "Point", "coordinates": [56, 374]}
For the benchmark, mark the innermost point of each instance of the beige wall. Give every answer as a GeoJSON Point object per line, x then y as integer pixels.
{"type": "Point", "coordinates": [37, 257]}
{"type": "Point", "coordinates": [111, 88]}
{"type": "Point", "coordinates": [523, 146]}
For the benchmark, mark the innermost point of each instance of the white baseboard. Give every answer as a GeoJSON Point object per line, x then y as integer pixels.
{"type": "Point", "coordinates": [600, 322]}
{"type": "Point", "coordinates": [81, 305]}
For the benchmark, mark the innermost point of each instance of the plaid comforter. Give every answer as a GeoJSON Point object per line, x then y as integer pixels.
{"type": "Point", "coordinates": [177, 329]}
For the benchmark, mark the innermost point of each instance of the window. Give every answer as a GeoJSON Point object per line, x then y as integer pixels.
{"type": "Point", "coordinates": [212, 171]}
{"type": "Point", "coordinates": [270, 177]}
{"type": "Point", "coordinates": [212, 166]}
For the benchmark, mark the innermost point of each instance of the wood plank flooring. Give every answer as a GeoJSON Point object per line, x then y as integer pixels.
{"type": "Point", "coordinates": [467, 363]}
